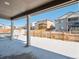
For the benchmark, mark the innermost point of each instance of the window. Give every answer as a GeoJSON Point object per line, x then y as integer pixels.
{"type": "Point", "coordinates": [73, 19]}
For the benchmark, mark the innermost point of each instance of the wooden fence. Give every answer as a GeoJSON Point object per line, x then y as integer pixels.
{"type": "Point", "coordinates": [55, 35]}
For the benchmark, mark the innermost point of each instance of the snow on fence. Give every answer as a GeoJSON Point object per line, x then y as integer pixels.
{"type": "Point", "coordinates": [55, 35]}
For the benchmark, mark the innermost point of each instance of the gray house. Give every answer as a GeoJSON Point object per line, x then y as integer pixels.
{"type": "Point", "coordinates": [68, 23]}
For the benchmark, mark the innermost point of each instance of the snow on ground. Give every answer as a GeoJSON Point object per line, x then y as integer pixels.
{"type": "Point", "coordinates": [66, 48]}
{"type": "Point", "coordinates": [42, 47]}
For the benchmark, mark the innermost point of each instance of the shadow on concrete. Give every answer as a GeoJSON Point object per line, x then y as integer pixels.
{"type": "Point", "coordinates": [45, 54]}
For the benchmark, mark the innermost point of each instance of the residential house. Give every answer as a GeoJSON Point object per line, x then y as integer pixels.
{"type": "Point", "coordinates": [4, 28]}
{"type": "Point", "coordinates": [45, 24]}
{"type": "Point", "coordinates": [68, 22]}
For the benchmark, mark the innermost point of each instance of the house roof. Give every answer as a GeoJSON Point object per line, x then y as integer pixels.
{"type": "Point", "coordinates": [1, 24]}
{"type": "Point", "coordinates": [11, 9]}
{"type": "Point", "coordinates": [70, 15]}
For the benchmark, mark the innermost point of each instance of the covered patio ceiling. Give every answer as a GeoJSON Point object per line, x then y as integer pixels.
{"type": "Point", "coordinates": [11, 9]}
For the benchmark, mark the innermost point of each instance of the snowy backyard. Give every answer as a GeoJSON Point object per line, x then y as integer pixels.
{"type": "Point", "coordinates": [39, 29]}
{"type": "Point", "coordinates": [40, 48]}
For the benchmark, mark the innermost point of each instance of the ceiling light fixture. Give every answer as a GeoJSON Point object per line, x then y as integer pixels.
{"type": "Point", "coordinates": [6, 3]}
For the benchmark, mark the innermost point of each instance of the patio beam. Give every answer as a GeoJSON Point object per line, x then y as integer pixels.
{"type": "Point", "coordinates": [42, 7]}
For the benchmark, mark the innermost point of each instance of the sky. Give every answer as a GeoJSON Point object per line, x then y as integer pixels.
{"type": "Point", "coordinates": [51, 15]}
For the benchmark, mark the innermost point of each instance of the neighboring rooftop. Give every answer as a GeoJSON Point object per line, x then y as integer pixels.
{"type": "Point", "coordinates": [69, 15]}
{"type": "Point", "coordinates": [1, 24]}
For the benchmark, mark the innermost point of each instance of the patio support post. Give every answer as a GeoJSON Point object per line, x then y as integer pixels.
{"type": "Point", "coordinates": [27, 31]}
{"type": "Point", "coordinates": [11, 30]}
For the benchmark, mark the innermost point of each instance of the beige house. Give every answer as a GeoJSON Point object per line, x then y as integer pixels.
{"type": "Point", "coordinates": [4, 29]}
{"type": "Point", "coordinates": [44, 24]}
